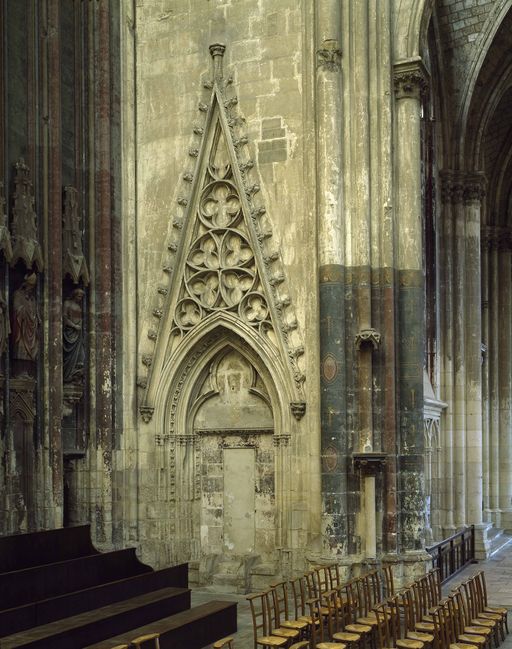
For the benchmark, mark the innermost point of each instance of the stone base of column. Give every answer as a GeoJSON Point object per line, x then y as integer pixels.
{"type": "Point", "coordinates": [506, 519]}
{"type": "Point", "coordinates": [407, 566]}
{"type": "Point", "coordinates": [482, 542]}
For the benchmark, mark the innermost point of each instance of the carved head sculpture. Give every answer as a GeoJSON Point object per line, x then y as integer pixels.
{"type": "Point", "coordinates": [77, 295]}
{"type": "Point", "coordinates": [29, 281]}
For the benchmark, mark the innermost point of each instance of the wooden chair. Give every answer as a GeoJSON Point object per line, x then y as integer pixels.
{"type": "Point", "coordinates": [482, 586]}
{"type": "Point", "coordinates": [318, 640]}
{"type": "Point", "coordinates": [423, 621]}
{"type": "Point", "coordinates": [299, 598]}
{"type": "Point", "coordinates": [224, 643]}
{"type": "Point", "coordinates": [261, 622]}
{"type": "Point", "coordinates": [389, 628]}
{"type": "Point", "coordinates": [389, 583]}
{"type": "Point", "coordinates": [282, 617]}
{"type": "Point", "coordinates": [477, 618]}
{"type": "Point", "coordinates": [148, 637]}
{"type": "Point", "coordinates": [352, 610]}
{"type": "Point", "coordinates": [442, 638]}
{"type": "Point", "coordinates": [405, 603]}
{"type": "Point", "coordinates": [475, 585]}
{"type": "Point", "coordinates": [334, 622]}
{"type": "Point", "coordinates": [366, 600]}
{"type": "Point", "coordinates": [460, 630]}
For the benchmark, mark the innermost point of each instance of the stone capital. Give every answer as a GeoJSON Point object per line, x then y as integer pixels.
{"type": "Point", "coordinates": [410, 79]}
{"type": "Point", "coordinates": [329, 56]}
{"type": "Point", "coordinates": [474, 188]}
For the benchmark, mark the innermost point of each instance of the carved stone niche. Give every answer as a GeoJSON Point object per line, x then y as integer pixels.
{"type": "Point", "coordinates": [24, 220]}
{"type": "Point", "coordinates": [73, 262]}
{"type": "Point", "coordinates": [369, 463]}
{"type": "Point", "coordinates": [5, 237]}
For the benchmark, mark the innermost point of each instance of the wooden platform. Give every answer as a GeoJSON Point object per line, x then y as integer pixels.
{"type": "Point", "coordinates": [64, 594]}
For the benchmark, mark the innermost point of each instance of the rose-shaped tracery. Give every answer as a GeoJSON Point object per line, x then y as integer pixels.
{"type": "Point", "coordinates": [188, 313]}
{"type": "Point", "coordinates": [220, 205]}
{"type": "Point", "coordinates": [234, 285]}
{"type": "Point", "coordinates": [236, 250]}
{"type": "Point", "coordinates": [205, 287]}
{"type": "Point", "coordinates": [253, 308]}
{"type": "Point", "coordinates": [205, 253]}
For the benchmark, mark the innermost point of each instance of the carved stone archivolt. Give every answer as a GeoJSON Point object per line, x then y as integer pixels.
{"type": "Point", "coordinates": [24, 220]}
{"type": "Point", "coordinates": [220, 261]}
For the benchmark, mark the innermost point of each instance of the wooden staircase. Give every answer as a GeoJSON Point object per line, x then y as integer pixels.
{"type": "Point", "coordinates": [57, 591]}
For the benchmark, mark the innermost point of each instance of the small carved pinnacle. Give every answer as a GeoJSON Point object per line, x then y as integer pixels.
{"type": "Point", "coordinates": [253, 189]}
{"type": "Point", "coordinates": [241, 141]}
{"type": "Point", "coordinates": [258, 211]}
{"type": "Point", "coordinates": [277, 279]}
{"type": "Point", "coordinates": [274, 256]}
{"type": "Point", "coordinates": [245, 166]}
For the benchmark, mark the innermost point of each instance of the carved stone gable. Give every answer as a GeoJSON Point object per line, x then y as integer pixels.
{"type": "Point", "coordinates": [222, 263]}
{"type": "Point", "coordinates": [221, 271]}
{"type": "Point", "coordinates": [24, 220]}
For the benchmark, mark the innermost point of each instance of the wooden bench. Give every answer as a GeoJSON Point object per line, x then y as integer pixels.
{"type": "Point", "coordinates": [99, 623]}
{"type": "Point", "coordinates": [192, 629]}
{"type": "Point", "coordinates": [48, 610]}
{"type": "Point", "coordinates": [54, 579]}
{"type": "Point", "coordinates": [20, 551]}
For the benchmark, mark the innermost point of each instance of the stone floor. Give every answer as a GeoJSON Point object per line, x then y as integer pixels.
{"type": "Point", "coordinates": [498, 575]}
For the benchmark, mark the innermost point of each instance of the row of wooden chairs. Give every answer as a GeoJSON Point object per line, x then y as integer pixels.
{"type": "Point", "coordinates": [463, 620]}
{"type": "Point", "coordinates": [303, 611]}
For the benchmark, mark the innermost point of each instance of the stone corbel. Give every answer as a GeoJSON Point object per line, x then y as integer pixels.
{"type": "Point", "coordinates": [368, 337]}
{"type": "Point", "coordinates": [298, 409]}
{"type": "Point", "coordinates": [146, 413]}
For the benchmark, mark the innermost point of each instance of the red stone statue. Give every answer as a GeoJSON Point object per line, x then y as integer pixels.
{"type": "Point", "coordinates": [25, 320]}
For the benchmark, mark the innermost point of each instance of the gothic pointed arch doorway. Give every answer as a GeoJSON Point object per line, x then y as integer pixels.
{"type": "Point", "coordinates": [228, 461]}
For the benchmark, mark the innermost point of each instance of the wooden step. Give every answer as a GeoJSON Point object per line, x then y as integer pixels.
{"type": "Point", "coordinates": [192, 629]}
{"type": "Point", "coordinates": [48, 610]}
{"type": "Point", "coordinates": [54, 579]}
{"type": "Point", "coordinates": [98, 624]}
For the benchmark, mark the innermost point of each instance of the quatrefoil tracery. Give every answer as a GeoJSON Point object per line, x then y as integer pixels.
{"type": "Point", "coordinates": [221, 271]}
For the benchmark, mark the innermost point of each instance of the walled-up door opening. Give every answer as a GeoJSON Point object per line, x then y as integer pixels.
{"type": "Point", "coordinates": [233, 427]}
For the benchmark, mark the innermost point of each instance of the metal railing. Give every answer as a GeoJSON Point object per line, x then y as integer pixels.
{"type": "Point", "coordinates": [454, 553]}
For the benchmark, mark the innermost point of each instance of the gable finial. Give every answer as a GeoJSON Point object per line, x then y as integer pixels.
{"type": "Point", "coordinates": [217, 51]}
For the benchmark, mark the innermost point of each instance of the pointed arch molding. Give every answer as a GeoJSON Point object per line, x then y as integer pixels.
{"type": "Point", "coordinates": [223, 269]}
